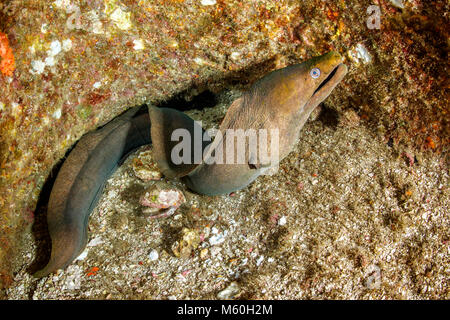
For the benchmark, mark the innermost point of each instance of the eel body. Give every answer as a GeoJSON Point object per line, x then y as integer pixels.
{"type": "Point", "coordinates": [281, 100]}
{"type": "Point", "coordinates": [81, 179]}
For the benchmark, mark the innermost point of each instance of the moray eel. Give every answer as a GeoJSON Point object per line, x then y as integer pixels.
{"type": "Point", "coordinates": [283, 99]}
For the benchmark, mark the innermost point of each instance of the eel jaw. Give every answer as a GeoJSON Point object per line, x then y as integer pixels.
{"type": "Point", "coordinates": [327, 85]}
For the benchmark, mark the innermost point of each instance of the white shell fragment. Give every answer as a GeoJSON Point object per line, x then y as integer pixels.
{"type": "Point", "coordinates": [153, 255]}
{"type": "Point", "coordinates": [208, 2]}
{"type": "Point", "coordinates": [229, 292]}
{"type": "Point", "coordinates": [162, 198]}
{"type": "Point", "coordinates": [360, 54]}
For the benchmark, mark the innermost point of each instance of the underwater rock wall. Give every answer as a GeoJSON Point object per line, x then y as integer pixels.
{"type": "Point", "coordinates": [68, 67]}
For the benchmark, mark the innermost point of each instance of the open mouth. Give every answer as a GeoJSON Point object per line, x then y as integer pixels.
{"type": "Point", "coordinates": [330, 76]}
{"type": "Point", "coordinates": [327, 85]}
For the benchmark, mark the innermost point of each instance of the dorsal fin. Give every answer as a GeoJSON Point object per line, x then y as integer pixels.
{"type": "Point", "coordinates": [164, 122]}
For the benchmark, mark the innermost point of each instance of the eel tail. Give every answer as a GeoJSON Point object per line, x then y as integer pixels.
{"type": "Point", "coordinates": [80, 182]}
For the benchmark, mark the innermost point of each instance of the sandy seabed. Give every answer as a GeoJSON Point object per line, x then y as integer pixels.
{"type": "Point", "coordinates": [345, 217]}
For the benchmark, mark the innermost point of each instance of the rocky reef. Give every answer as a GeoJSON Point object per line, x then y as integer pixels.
{"type": "Point", "coordinates": [67, 67]}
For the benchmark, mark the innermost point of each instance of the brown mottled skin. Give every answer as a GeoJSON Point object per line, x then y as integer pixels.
{"type": "Point", "coordinates": [283, 99]}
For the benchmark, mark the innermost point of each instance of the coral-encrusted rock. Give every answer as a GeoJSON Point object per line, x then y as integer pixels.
{"type": "Point", "coordinates": [190, 239]}
{"type": "Point", "coordinates": [145, 168]}
{"type": "Point", "coordinates": [7, 64]}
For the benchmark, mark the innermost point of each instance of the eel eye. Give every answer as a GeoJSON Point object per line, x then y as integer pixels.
{"type": "Point", "coordinates": [315, 73]}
